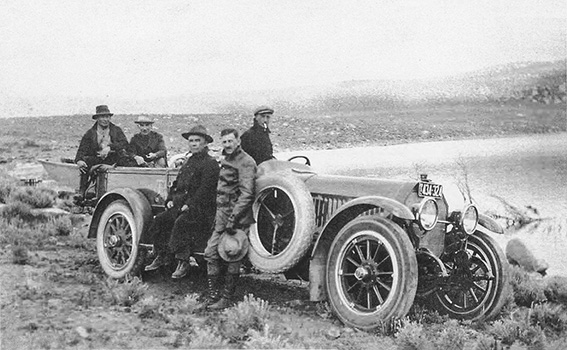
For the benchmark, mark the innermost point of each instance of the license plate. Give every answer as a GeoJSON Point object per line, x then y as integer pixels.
{"type": "Point", "coordinates": [427, 189]}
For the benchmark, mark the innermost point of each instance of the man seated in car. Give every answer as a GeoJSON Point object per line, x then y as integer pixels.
{"type": "Point", "coordinates": [148, 147]}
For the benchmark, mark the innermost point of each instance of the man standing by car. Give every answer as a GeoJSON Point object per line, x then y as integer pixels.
{"type": "Point", "coordinates": [104, 143]}
{"type": "Point", "coordinates": [256, 140]}
{"type": "Point", "coordinates": [147, 147]}
{"type": "Point", "coordinates": [189, 207]}
{"type": "Point", "coordinates": [235, 196]}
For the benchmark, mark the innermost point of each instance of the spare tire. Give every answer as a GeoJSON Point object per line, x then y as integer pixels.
{"type": "Point", "coordinates": [285, 221]}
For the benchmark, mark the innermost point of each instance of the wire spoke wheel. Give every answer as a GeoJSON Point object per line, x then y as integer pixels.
{"type": "Point", "coordinates": [478, 292]}
{"type": "Point", "coordinates": [371, 272]}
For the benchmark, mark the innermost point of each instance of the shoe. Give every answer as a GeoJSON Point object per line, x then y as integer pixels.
{"type": "Point", "coordinates": [181, 270]}
{"type": "Point", "coordinates": [158, 262]}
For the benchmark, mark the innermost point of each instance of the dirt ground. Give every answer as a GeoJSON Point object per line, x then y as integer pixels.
{"type": "Point", "coordinates": [61, 298]}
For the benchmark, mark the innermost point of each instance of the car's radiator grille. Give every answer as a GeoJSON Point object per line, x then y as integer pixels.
{"type": "Point", "coordinates": [327, 205]}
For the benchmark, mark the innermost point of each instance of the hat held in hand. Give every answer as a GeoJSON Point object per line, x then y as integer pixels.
{"type": "Point", "coordinates": [234, 247]}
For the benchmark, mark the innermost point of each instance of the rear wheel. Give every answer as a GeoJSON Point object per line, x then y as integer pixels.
{"type": "Point", "coordinates": [284, 214]}
{"type": "Point", "coordinates": [117, 241]}
{"type": "Point", "coordinates": [479, 291]}
{"type": "Point", "coordinates": [371, 273]}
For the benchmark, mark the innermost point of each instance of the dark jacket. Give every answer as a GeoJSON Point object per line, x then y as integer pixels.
{"type": "Point", "coordinates": [235, 190]}
{"type": "Point", "coordinates": [256, 142]}
{"type": "Point", "coordinates": [88, 147]}
{"type": "Point", "coordinates": [196, 184]}
{"type": "Point", "coordinates": [141, 145]}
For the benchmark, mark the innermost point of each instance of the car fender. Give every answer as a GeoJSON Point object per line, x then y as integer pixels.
{"type": "Point", "coordinates": [486, 223]}
{"type": "Point", "coordinates": [345, 214]}
{"type": "Point", "coordinates": [137, 201]}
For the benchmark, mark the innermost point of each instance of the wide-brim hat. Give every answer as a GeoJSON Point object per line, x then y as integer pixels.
{"type": "Point", "coordinates": [234, 247]}
{"type": "Point", "coordinates": [143, 119]}
{"type": "Point", "coordinates": [263, 110]}
{"type": "Point", "coordinates": [198, 130]}
{"type": "Point", "coordinates": [102, 110]}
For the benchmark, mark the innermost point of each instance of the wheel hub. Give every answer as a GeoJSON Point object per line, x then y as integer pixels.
{"type": "Point", "coordinates": [361, 273]}
{"type": "Point", "coordinates": [113, 241]}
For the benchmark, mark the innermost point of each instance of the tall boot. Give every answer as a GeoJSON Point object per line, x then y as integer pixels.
{"type": "Point", "coordinates": [227, 293]}
{"type": "Point", "coordinates": [213, 276]}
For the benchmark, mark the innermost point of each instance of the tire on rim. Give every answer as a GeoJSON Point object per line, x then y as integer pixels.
{"type": "Point", "coordinates": [285, 218]}
{"type": "Point", "coordinates": [482, 293]}
{"type": "Point", "coordinates": [371, 274]}
{"type": "Point", "coordinates": [117, 241]}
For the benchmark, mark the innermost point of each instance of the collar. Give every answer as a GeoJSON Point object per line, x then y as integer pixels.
{"type": "Point", "coordinates": [234, 154]}
{"type": "Point", "coordinates": [201, 154]}
{"type": "Point", "coordinates": [260, 127]}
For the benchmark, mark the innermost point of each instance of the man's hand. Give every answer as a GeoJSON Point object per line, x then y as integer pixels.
{"type": "Point", "coordinates": [139, 160]}
{"type": "Point", "coordinates": [151, 155]}
{"type": "Point", "coordinates": [169, 205]}
{"type": "Point", "coordinates": [82, 166]}
{"type": "Point", "coordinates": [184, 207]}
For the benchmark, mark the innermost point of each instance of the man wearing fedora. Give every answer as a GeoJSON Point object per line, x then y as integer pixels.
{"type": "Point", "coordinates": [148, 147]}
{"type": "Point", "coordinates": [256, 140]}
{"type": "Point", "coordinates": [189, 207]}
{"type": "Point", "coordinates": [229, 242]}
{"type": "Point", "coordinates": [103, 143]}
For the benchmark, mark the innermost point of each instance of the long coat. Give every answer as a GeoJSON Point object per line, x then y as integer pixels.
{"type": "Point", "coordinates": [195, 186]}
{"type": "Point", "coordinates": [89, 147]}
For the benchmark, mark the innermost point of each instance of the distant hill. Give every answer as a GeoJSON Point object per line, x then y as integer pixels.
{"type": "Point", "coordinates": [539, 82]}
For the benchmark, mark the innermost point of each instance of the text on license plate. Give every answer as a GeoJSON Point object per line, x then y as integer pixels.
{"type": "Point", "coordinates": [426, 189]}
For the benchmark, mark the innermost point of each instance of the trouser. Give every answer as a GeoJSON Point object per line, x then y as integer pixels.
{"type": "Point", "coordinates": [171, 232]}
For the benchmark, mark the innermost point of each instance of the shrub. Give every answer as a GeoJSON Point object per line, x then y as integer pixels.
{"type": "Point", "coordinates": [556, 289]}
{"type": "Point", "coordinates": [20, 255]}
{"type": "Point", "coordinates": [411, 336]}
{"type": "Point", "coordinates": [510, 331]}
{"type": "Point", "coordinates": [35, 197]}
{"type": "Point", "coordinates": [551, 318]}
{"type": "Point", "coordinates": [6, 189]}
{"type": "Point", "coordinates": [265, 340]}
{"type": "Point", "coordinates": [190, 303]}
{"type": "Point", "coordinates": [527, 289]}
{"type": "Point", "coordinates": [251, 313]}
{"type": "Point", "coordinates": [61, 226]}
{"type": "Point", "coordinates": [452, 337]}
{"type": "Point", "coordinates": [206, 338]}
{"type": "Point", "coordinates": [17, 210]}
{"type": "Point", "coordinates": [126, 293]}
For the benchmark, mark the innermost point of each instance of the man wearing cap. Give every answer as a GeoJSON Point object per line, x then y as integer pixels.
{"type": "Point", "coordinates": [235, 196]}
{"type": "Point", "coordinates": [256, 140]}
{"type": "Point", "coordinates": [189, 207]}
{"type": "Point", "coordinates": [147, 147]}
{"type": "Point", "coordinates": [104, 143]}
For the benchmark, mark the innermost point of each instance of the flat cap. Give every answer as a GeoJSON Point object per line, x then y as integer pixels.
{"type": "Point", "coordinates": [263, 110]}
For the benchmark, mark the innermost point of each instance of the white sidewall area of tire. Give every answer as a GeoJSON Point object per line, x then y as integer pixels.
{"type": "Point", "coordinates": [303, 232]}
{"type": "Point", "coordinates": [117, 207]}
{"type": "Point", "coordinates": [404, 267]}
{"type": "Point", "coordinates": [499, 288]}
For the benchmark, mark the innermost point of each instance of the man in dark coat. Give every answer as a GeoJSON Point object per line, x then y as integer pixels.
{"type": "Point", "coordinates": [235, 196]}
{"type": "Point", "coordinates": [256, 140]}
{"type": "Point", "coordinates": [147, 147]}
{"type": "Point", "coordinates": [190, 206]}
{"type": "Point", "coordinates": [104, 143]}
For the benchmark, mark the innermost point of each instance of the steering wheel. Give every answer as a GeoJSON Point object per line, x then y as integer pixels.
{"type": "Point", "coordinates": [307, 161]}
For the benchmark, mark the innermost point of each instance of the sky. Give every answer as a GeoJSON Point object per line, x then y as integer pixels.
{"type": "Point", "coordinates": [154, 49]}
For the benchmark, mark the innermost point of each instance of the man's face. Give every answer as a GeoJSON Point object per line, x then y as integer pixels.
{"type": "Point", "coordinates": [196, 143]}
{"type": "Point", "coordinates": [230, 143]}
{"type": "Point", "coordinates": [263, 119]}
{"type": "Point", "coordinates": [145, 128]}
{"type": "Point", "coordinates": [103, 120]}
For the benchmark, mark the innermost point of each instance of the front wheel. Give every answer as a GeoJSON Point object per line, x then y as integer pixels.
{"type": "Point", "coordinates": [480, 291]}
{"type": "Point", "coordinates": [371, 273]}
{"type": "Point", "coordinates": [117, 241]}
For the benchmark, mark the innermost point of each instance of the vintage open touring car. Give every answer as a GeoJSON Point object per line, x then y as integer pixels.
{"type": "Point", "coordinates": [369, 246]}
